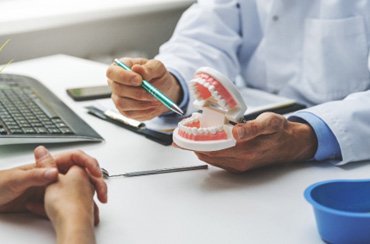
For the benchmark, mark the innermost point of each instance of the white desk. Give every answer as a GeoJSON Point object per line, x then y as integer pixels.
{"type": "Point", "coordinates": [205, 206]}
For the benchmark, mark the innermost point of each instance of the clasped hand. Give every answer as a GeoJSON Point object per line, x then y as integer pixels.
{"type": "Point", "coordinates": [37, 187]}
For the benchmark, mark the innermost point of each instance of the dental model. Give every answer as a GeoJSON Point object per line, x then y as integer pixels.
{"type": "Point", "coordinates": [221, 103]}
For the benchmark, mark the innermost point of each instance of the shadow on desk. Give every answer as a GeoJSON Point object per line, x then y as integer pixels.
{"type": "Point", "coordinates": [219, 180]}
{"type": "Point", "coordinates": [11, 150]}
{"type": "Point", "coordinates": [29, 222]}
{"type": "Point", "coordinates": [355, 165]}
{"type": "Point", "coordinates": [222, 180]}
{"type": "Point", "coordinates": [349, 166]}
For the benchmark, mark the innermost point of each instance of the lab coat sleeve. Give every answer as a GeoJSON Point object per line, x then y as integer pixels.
{"type": "Point", "coordinates": [349, 120]}
{"type": "Point", "coordinates": [327, 144]}
{"type": "Point", "coordinates": [208, 34]}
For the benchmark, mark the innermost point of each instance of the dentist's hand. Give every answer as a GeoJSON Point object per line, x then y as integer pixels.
{"type": "Point", "coordinates": [269, 139]}
{"type": "Point", "coordinates": [128, 95]}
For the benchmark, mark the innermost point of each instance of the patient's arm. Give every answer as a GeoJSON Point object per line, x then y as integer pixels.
{"type": "Point", "coordinates": [70, 206]}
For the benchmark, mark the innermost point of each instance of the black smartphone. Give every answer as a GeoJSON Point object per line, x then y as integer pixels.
{"type": "Point", "coordinates": [89, 92]}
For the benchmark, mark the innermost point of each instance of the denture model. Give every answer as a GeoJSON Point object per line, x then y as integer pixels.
{"type": "Point", "coordinates": [221, 103]}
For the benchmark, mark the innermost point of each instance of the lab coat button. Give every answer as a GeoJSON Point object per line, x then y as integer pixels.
{"type": "Point", "coordinates": [275, 18]}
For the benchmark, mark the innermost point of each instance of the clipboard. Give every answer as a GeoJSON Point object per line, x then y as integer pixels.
{"type": "Point", "coordinates": [279, 110]}
{"type": "Point", "coordinates": [138, 127]}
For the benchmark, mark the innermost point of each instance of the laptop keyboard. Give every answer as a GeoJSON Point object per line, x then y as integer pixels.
{"type": "Point", "coordinates": [22, 112]}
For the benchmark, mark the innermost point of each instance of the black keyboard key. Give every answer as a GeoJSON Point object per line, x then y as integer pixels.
{"type": "Point", "coordinates": [29, 130]}
{"type": "Point", "coordinates": [3, 131]}
{"type": "Point", "coordinates": [41, 130]}
{"type": "Point", "coordinates": [66, 131]}
{"type": "Point", "coordinates": [23, 112]}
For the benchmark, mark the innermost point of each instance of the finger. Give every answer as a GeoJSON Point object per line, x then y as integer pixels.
{"type": "Point", "coordinates": [96, 214]}
{"type": "Point", "coordinates": [266, 123]}
{"type": "Point", "coordinates": [101, 188]}
{"type": "Point", "coordinates": [66, 160]}
{"type": "Point", "coordinates": [36, 208]}
{"type": "Point", "coordinates": [124, 77]}
{"type": "Point", "coordinates": [151, 70]}
{"type": "Point", "coordinates": [96, 183]}
{"type": "Point", "coordinates": [136, 93]}
{"type": "Point", "coordinates": [43, 157]}
{"type": "Point", "coordinates": [132, 61]}
{"type": "Point", "coordinates": [129, 104]}
{"type": "Point", "coordinates": [26, 167]}
{"type": "Point", "coordinates": [24, 179]}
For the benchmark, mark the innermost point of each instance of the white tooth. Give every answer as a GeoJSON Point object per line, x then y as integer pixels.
{"type": "Point", "coordinates": [216, 95]}
{"type": "Point", "coordinates": [194, 131]}
{"type": "Point", "coordinates": [184, 122]}
{"type": "Point", "coordinates": [213, 130]}
{"type": "Point", "coordinates": [221, 128]}
{"type": "Point", "coordinates": [202, 131]}
{"type": "Point", "coordinates": [211, 88]}
{"type": "Point", "coordinates": [192, 86]}
{"type": "Point", "coordinates": [181, 126]}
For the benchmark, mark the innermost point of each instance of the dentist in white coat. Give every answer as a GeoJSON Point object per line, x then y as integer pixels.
{"type": "Point", "coordinates": [314, 51]}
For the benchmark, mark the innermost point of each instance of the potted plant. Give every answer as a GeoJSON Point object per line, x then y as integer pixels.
{"type": "Point", "coordinates": [1, 48]}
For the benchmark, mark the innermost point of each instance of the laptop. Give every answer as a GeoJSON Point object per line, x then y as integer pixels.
{"type": "Point", "coordinates": [31, 114]}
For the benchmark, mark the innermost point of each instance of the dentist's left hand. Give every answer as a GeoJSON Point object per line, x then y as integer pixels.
{"type": "Point", "coordinates": [269, 139]}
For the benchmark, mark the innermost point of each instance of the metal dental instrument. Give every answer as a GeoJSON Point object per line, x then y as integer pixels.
{"type": "Point", "coordinates": [106, 174]}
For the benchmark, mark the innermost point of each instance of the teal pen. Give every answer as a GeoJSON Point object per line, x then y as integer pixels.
{"type": "Point", "coordinates": [152, 90]}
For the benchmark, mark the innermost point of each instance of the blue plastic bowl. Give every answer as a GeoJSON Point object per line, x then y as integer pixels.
{"type": "Point", "coordinates": [342, 210]}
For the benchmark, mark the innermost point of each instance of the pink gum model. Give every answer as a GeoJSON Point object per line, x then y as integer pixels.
{"type": "Point", "coordinates": [220, 103]}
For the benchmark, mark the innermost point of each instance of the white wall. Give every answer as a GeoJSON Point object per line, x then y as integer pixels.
{"type": "Point", "coordinates": [104, 36]}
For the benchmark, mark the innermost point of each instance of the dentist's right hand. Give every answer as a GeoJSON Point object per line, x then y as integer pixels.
{"type": "Point", "coordinates": [130, 98]}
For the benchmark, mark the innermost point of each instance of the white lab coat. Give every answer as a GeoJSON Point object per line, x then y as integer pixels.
{"type": "Point", "coordinates": [315, 51]}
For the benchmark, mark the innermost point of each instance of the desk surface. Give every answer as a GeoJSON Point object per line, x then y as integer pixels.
{"type": "Point", "coordinates": [205, 206]}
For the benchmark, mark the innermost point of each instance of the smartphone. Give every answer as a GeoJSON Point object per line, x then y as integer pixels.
{"type": "Point", "coordinates": [89, 92]}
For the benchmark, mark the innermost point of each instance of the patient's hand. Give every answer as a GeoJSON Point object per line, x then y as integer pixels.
{"type": "Point", "coordinates": [66, 160]}
{"type": "Point", "coordinates": [70, 207]}
{"type": "Point", "coordinates": [23, 186]}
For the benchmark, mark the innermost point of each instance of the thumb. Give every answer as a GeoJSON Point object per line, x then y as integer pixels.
{"type": "Point", "coordinates": [25, 179]}
{"type": "Point", "coordinates": [264, 124]}
{"type": "Point", "coordinates": [43, 157]}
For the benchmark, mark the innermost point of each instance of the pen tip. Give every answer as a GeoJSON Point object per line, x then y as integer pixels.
{"type": "Point", "coordinates": [177, 110]}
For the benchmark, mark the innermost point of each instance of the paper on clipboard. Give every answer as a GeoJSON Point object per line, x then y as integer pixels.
{"type": "Point", "coordinates": [165, 125]}
{"type": "Point", "coordinates": [258, 100]}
